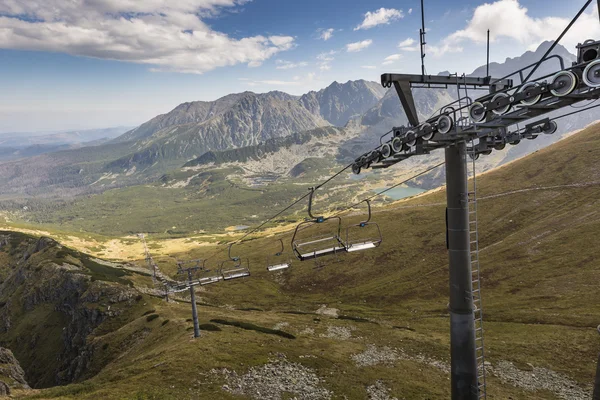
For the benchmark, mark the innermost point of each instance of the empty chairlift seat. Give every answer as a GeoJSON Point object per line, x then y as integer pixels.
{"type": "Point", "coordinates": [310, 247]}
{"type": "Point", "coordinates": [364, 235]}
{"type": "Point", "coordinates": [279, 260]}
{"type": "Point", "coordinates": [317, 236]}
{"type": "Point", "coordinates": [235, 267]}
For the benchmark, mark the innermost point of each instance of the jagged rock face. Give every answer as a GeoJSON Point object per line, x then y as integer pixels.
{"type": "Point", "coordinates": [338, 103]}
{"type": "Point", "coordinates": [260, 151]}
{"type": "Point", "coordinates": [251, 119]}
{"type": "Point", "coordinates": [12, 375]}
{"type": "Point", "coordinates": [185, 113]}
{"type": "Point", "coordinates": [65, 303]}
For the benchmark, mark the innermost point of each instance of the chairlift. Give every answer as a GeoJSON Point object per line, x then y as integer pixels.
{"type": "Point", "coordinates": [278, 261]}
{"type": "Point", "coordinates": [202, 275]}
{"type": "Point", "coordinates": [363, 243]}
{"type": "Point", "coordinates": [208, 276]}
{"type": "Point", "coordinates": [317, 246]}
{"type": "Point", "coordinates": [234, 267]}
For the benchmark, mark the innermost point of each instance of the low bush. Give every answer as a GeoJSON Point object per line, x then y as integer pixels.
{"type": "Point", "coordinates": [252, 327]}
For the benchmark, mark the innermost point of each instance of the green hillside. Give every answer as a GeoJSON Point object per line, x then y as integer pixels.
{"type": "Point", "coordinates": [370, 323]}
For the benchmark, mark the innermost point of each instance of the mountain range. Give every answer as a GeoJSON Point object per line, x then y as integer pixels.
{"type": "Point", "coordinates": [250, 126]}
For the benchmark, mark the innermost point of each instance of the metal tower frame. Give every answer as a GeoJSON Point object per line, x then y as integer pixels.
{"type": "Point", "coordinates": [487, 123]}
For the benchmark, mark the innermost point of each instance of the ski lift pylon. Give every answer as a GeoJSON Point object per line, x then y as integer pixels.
{"type": "Point", "coordinates": [364, 243]}
{"type": "Point", "coordinates": [278, 261]}
{"type": "Point", "coordinates": [234, 267]}
{"type": "Point", "coordinates": [317, 246]}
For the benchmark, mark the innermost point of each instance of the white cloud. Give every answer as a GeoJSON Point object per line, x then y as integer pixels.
{"type": "Point", "coordinates": [379, 17]}
{"type": "Point", "coordinates": [358, 46]}
{"type": "Point", "coordinates": [509, 19]}
{"type": "Point", "coordinates": [393, 57]}
{"type": "Point", "coordinates": [327, 56]}
{"type": "Point", "coordinates": [406, 43]}
{"type": "Point", "coordinates": [282, 64]}
{"type": "Point", "coordinates": [296, 81]}
{"type": "Point", "coordinates": [325, 59]}
{"type": "Point", "coordinates": [165, 34]}
{"type": "Point", "coordinates": [410, 10]}
{"type": "Point", "coordinates": [326, 34]}
{"type": "Point", "coordinates": [369, 67]}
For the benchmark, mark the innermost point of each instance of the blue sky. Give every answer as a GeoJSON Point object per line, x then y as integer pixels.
{"type": "Point", "coordinates": [123, 61]}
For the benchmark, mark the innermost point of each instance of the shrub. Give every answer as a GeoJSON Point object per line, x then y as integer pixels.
{"type": "Point", "coordinates": [166, 321]}
{"type": "Point", "coordinates": [209, 327]}
{"type": "Point", "coordinates": [151, 317]}
{"type": "Point", "coordinates": [252, 327]}
{"type": "Point", "coordinates": [148, 312]}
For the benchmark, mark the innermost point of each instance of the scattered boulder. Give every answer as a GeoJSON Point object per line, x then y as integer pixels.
{"type": "Point", "coordinates": [379, 391]}
{"type": "Point", "coordinates": [275, 381]}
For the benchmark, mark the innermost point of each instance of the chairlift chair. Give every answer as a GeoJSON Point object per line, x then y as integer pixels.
{"type": "Point", "coordinates": [208, 276]}
{"type": "Point", "coordinates": [234, 267]}
{"type": "Point", "coordinates": [357, 244]}
{"type": "Point", "coordinates": [202, 275]}
{"type": "Point", "coordinates": [321, 245]}
{"type": "Point", "coordinates": [278, 261]}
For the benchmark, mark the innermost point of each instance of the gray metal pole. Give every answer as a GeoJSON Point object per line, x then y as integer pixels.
{"type": "Point", "coordinates": [462, 326]}
{"type": "Point", "coordinates": [487, 71]}
{"type": "Point", "coordinates": [194, 309]}
{"type": "Point", "coordinates": [597, 384]}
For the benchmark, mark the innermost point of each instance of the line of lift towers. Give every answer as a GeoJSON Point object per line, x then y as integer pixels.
{"type": "Point", "coordinates": [510, 111]}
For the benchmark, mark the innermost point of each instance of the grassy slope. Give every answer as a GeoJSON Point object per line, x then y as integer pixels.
{"type": "Point", "coordinates": [204, 204]}
{"type": "Point", "coordinates": [539, 293]}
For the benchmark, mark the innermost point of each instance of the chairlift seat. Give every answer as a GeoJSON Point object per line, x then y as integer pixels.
{"type": "Point", "coordinates": [236, 273]}
{"type": "Point", "coordinates": [280, 260]}
{"type": "Point", "coordinates": [360, 246]}
{"type": "Point", "coordinates": [365, 243]}
{"type": "Point", "coordinates": [317, 249]}
{"type": "Point", "coordinates": [209, 279]}
{"type": "Point", "coordinates": [277, 267]}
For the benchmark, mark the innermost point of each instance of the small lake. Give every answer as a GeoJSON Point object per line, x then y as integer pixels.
{"type": "Point", "coordinates": [400, 192]}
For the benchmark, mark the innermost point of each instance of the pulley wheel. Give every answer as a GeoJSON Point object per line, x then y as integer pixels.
{"type": "Point", "coordinates": [591, 74]}
{"type": "Point", "coordinates": [532, 137]}
{"type": "Point", "coordinates": [444, 124]}
{"type": "Point", "coordinates": [496, 108]}
{"type": "Point", "coordinates": [514, 143]}
{"type": "Point", "coordinates": [477, 112]}
{"type": "Point", "coordinates": [564, 82]}
{"type": "Point", "coordinates": [486, 153]}
{"type": "Point", "coordinates": [530, 99]}
{"type": "Point", "coordinates": [427, 131]}
{"type": "Point", "coordinates": [386, 150]}
{"type": "Point", "coordinates": [397, 146]}
{"type": "Point", "coordinates": [499, 147]}
{"type": "Point", "coordinates": [412, 138]}
{"type": "Point", "coordinates": [550, 128]}
{"type": "Point", "coordinates": [356, 169]}
{"type": "Point", "coordinates": [474, 156]}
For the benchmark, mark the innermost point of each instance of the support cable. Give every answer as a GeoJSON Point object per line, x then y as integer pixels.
{"type": "Point", "coordinates": [391, 187]}
{"type": "Point", "coordinates": [557, 41]}
{"type": "Point", "coordinates": [283, 210]}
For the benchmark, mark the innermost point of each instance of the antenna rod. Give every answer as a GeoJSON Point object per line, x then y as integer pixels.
{"type": "Point", "coordinates": [422, 38]}
{"type": "Point", "coordinates": [487, 73]}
